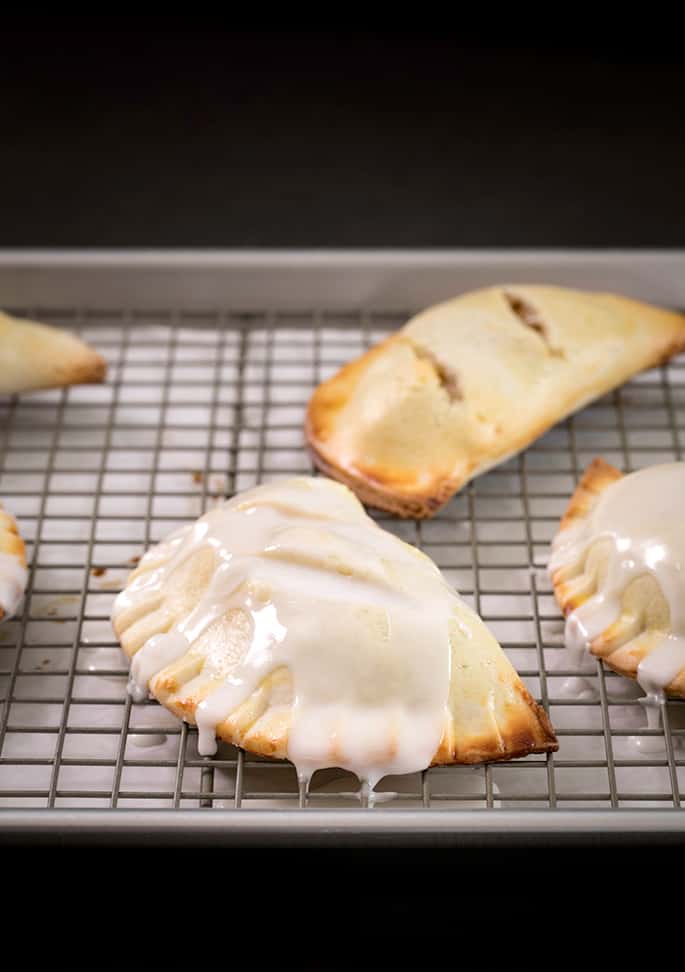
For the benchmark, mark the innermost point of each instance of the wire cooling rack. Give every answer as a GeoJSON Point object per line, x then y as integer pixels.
{"type": "Point", "coordinates": [198, 406]}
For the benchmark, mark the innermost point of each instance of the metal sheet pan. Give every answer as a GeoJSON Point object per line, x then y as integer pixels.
{"type": "Point", "coordinates": [212, 357]}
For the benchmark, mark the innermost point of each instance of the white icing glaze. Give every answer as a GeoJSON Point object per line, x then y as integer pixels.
{"type": "Point", "coordinates": [13, 578]}
{"type": "Point", "coordinates": [576, 636]}
{"type": "Point", "coordinates": [643, 518]}
{"type": "Point", "coordinates": [659, 668]}
{"type": "Point", "coordinates": [650, 745]}
{"type": "Point", "coordinates": [156, 654]}
{"type": "Point", "coordinates": [360, 619]}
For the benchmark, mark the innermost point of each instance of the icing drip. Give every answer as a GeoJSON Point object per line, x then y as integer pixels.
{"type": "Point", "coordinates": [642, 516]}
{"type": "Point", "coordinates": [650, 745]}
{"type": "Point", "coordinates": [656, 671]}
{"type": "Point", "coordinates": [659, 668]}
{"type": "Point", "coordinates": [577, 636]}
{"type": "Point", "coordinates": [157, 653]}
{"type": "Point", "coordinates": [13, 578]}
{"type": "Point", "coordinates": [313, 586]}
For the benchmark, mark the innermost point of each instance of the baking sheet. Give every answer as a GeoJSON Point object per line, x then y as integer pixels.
{"type": "Point", "coordinates": [200, 404]}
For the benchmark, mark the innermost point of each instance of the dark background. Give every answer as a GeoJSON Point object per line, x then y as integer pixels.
{"type": "Point", "coordinates": [182, 132]}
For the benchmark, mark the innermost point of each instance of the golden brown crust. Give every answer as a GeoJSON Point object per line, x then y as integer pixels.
{"type": "Point", "coordinates": [10, 539]}
{"type": "Point", "coordinates": [490, 714]}
{"type": "Point", "coordinates": [10, 542]}
{"type": "Point", "coordinates": [262, 728]}
{"type": "Point", "coordinates": [36, 356]}
{"type": "Point", "coordinates": [598, 475]}
{"type": "Point", "coordinates": [532, 733]}
{"type": "Point", "coordinates": [670, 351]}
{"type": "Point", "coordinates": [373, 494]}
{"type": "Point", "coordinates": [624, 644]}
{"type": "Point", "coordinates": [529, 729]}
{"type": "Point", "coordinates": [391, 427]}
{"type": "Point", "coordinates": [381, 487]}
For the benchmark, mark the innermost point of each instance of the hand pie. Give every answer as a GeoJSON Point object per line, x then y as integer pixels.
{"type": "Point", "coordinates": [618, 570]}
{"type": "Point", "coordinates": [13, 573]}
{"type": "Point", "coordinates": [468, 383]}
{"type": "Point", "coordinates": [36, 356]}
{"type": "Point", "coordinates": [287, 622]}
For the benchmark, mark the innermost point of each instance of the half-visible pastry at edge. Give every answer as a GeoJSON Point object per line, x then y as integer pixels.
{"type": "Point", "coordinates": [468, 383]}
{"type": "Point", "coordinates": [618, 571]}
{"type": "Point", "coordinates": [13, 572]}
{"type": "Point", "coordinates": [34, 356]}
{"type": "Point", "coordinates": [286, 621]}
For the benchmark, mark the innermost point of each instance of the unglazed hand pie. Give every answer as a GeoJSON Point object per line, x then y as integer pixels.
{"type": "Point", "coordinates": [36, 356]}
{"type": "Point", "coordinates": [13, 573]}
{"type": "Point", "coordinates": [618, 570]}
{"type": "Point", "coordinates": [468, 383]}
{"type": "Point", "coordinates": [287, 622]}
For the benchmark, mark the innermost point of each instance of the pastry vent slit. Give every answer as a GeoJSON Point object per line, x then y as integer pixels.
{"type": "Point", "coordinates": [530, 316]}
{"type": "Point", "coordinates": [447, 377]}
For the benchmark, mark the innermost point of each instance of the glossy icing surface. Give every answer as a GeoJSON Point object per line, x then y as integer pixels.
{"type": "Point", "coordinates": [641, 520]}
{"type": "Point", "coordinates": [360, 619]}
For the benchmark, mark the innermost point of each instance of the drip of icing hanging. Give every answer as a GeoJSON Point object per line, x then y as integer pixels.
{"type": "Point", "coordinates": [640, 520]}
{"type": "Point", "coordinates": [360, 619]}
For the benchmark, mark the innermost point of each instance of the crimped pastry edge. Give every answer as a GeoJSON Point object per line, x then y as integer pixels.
{"type": "Point", "coordinates": [596, 478]}
{"type": "Point", "coordinates": [262, 728]}
{"type": "Point", "coordinates": [261, 742]}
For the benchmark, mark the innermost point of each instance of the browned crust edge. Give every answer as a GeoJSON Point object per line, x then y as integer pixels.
{"type": "Point", "coordinates": [538, 738]}
{"type": "Point", "coordinates": [527, 735]}
{"type": "Point", "coordinates": [77, 363]}
{"type": "Point", "coordinates": [598, 475]}
{"type": "Point", "coordinates": [418, 505]}
{"type": "Point", "coordinates": [596, 478]}
{"type": "Point", "coordinates": [93, 371]}
{"type": "Point", "coordinates": [476, 757]}
{"type": "Point", "coordinates": [12, 542]}
{"type": "Point", "coordinates": [90, 369]}
{"type": "Point", "coordinates": [265, 746]}
{"type": "Point", "coordinates": [421, 505]}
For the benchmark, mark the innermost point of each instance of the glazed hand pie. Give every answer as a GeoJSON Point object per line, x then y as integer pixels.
{"type": "Point", "coordinates": [13, 573]}
{"type": "Point", "coordinates": [34, 356]}
{"type": "Point", "coordinates": [287, 622]}
{"type": "Point", "coordinates": [618, 570]}
{"type": "Point", "coordinates": [468, 383]}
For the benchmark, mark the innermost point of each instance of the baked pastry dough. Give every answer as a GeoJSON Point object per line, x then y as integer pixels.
{"type": "Point", "coordinates": [618, 570]}
{"type": "Point", "coordinates": [286, 621]}
{"type": "Point", "coordinates": [468, 383]}
{"type": "Point", "coordinates": [13, 573]}
{"type": "Point", "coordinates": [36, 356]}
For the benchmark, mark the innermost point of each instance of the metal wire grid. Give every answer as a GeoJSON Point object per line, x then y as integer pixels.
{"type": "Point", "coordinates": [199, 407]}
